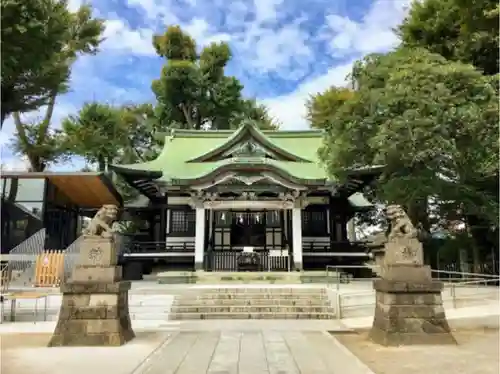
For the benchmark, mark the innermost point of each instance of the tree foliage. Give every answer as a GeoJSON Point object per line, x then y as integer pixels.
{"type": "Point", "coordinates": [194, 91]}
{"type": "Point", "coordinates": [34, 33]}
{"type": "Point", "coordinates": [35, 140]}
{"type": "Point", "coordinates": [432, 122]}
{"type": "Point", "coordinates": [322, 106]}
{"type": "Point", "coordinates": [97, 133]}
{"type": "Point", "coordinates": [459, 30]}
{"type": "Point", "coordinates": [104, 134]}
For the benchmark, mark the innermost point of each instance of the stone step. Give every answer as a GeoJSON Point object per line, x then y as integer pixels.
{"type": "Point", "coordinates": [253, 301]}
{"type": "Point", "coordinates": [271, 290]}
{"type": "Point", "coordinates": [224, 296]}
{"type": "Point", "coordinates": [245, 281]}
{"type": "Point", "coordinates": [252, 309]}
{"type": "Point", "coordinates": [277, 316]}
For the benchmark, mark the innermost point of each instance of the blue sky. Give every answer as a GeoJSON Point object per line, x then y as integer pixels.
{"type": "Point", "coordinates": [284, 50]}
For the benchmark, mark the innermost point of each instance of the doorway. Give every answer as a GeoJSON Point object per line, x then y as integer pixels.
{"type": "Point", "coordinates": [248, 229]}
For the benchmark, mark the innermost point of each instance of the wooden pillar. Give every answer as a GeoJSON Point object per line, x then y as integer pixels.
{"type": "Point", "coordinates": [207, 228]}
{"type": "Point", "coordinates": [297, 237]}
{"type": "Point", "coordinates": [199, 243]}
{"type": "Point", "coordinates": [331, 223]}
{"type": "Point", "coordinates": [163, 220]}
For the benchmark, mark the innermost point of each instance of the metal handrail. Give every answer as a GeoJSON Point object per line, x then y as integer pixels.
{"type": "Point", "coordinates": [464, 276]}
{"type": "Point", "coordinates": [479, 281]}
{"type": "Point", "coordinates": [451, 272]}
{"type": "Point", "coordinates": [452, 286]}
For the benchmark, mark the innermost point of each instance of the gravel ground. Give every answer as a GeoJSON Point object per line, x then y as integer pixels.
{"type": "Point", "coordinates": [476, 353]}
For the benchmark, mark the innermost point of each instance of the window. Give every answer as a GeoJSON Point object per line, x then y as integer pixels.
{"type": "Point", "coordinates": [314, 221]}
{"type": "Point", "coordinates": [182, 222]}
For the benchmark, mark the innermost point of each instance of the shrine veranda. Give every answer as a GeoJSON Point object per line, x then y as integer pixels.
{"type": "Point", "coordinates": [207, 198]}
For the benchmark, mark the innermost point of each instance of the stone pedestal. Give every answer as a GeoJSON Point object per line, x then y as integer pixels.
{"type": "Point", "coordinates": [94, 310]}
{"type": "Point", "coordinates": [409, 308]}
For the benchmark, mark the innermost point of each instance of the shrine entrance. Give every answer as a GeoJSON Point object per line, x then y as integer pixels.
{"type": "Point", "coordinates": [248, 229]}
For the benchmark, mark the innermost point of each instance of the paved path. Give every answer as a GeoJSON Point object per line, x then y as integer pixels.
{"type": "Point", "coordinates": [252, 352]}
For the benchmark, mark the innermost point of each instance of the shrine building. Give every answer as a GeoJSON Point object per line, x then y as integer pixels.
{"type": "Point", "coordinates": [211, 195]}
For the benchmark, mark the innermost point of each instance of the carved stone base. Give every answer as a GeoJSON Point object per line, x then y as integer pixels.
{"type": "Point", "coordinates": [409, 312]}
{"type": "Point", "coordinates": [93, 315]}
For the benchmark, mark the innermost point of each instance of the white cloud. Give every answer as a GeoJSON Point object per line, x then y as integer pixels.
{"type": "Point", "coordinates": [118, 36]}
{"type": "Point", "coordinates": [201, 31]}
{"type": "Point", "coordinates": [156, 10]}
{"type": "Point", "coordinates": [290, 109]}
{"type": "Point", "coordinates": [373, 34]}
{"type": "Point", "coordinates": [266, 10]}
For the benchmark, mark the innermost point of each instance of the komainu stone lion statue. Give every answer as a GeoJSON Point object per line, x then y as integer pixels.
{"type": "Point", "coordinates": [101, 224]}
{"type": "Point", "coordinates": [402, 238]}
{"type": "Point", "coordinates": [400, 225]}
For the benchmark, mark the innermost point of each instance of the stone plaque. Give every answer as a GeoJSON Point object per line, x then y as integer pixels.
{"type": "Point", "coordinates": [95, 255]}
{"type": "Point", "coordinates": [98, 252]}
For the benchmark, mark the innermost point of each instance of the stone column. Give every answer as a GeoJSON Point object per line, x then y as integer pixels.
{"type": "Point", "coordinates": [199, 242]}
{"type": "Point", "coordinates": [409, 307]}
{"type": "Point", "coordinates": [94, 309]}
{"type": "Point", "coordinates": [297, 237]}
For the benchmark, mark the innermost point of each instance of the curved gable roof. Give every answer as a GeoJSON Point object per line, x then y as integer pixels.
{"type": "Point", "coordinates": [248, 131]}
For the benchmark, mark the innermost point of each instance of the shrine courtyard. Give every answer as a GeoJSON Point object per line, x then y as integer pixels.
{"type": "Point", "coordinates": [258, 347]}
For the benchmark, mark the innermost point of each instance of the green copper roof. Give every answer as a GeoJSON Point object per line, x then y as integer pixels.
{"type": "Point", "coordinates": [190, 154]}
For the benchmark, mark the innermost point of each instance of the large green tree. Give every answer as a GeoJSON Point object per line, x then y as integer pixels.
{"type": "Point", "coordinates": [460, 30]}
{"type": "Point", "coordinates": [35, 140]}
{"type": "Point", "coordinates": [194, 91]}
{"type": "Point", "coordinates": [466, 31]}
{"type": "Point", "coordinates": [34, 33]}
{"type": "Point", "coordinates": [97, 133]}
{"type": "Point", "coordinates": [104, 134]}
{"type": "Point", "coordinates": [432, 122]}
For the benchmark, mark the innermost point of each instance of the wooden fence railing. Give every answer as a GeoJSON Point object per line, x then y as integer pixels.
{"type": "Point", "coordinates": [49, 269]}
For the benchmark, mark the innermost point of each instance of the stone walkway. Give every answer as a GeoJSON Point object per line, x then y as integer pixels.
{"type": "Point", "coordinates": [252, 352]}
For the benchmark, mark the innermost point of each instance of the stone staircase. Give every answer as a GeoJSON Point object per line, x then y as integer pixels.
{"type": "Point", "coordinates": [252, 303]}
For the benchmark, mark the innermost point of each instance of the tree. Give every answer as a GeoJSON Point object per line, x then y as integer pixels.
{"type": "Point", "coordinates": [459, 30]}
{"type": "Point", "coordinates": [35, 140]}
{"type": "Point", "coordinates": [142, 128]}
{"type": "Point", "coordinates": [432, 122]}
{"type": "Point", "coordinates": [322, 106]}
{"type": "Point", "coordinates": [250, 109]}
{"type": "Point", "coordinates": [97, 133]}
{"type": "Point", "coordinates": [34, 33]}
{"type": "Point", "coordinates": [104, 134]}
{"type": "Point", "coordinates": [40, 154]}
{"type": "Point", "coordinates": [193, 90]}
